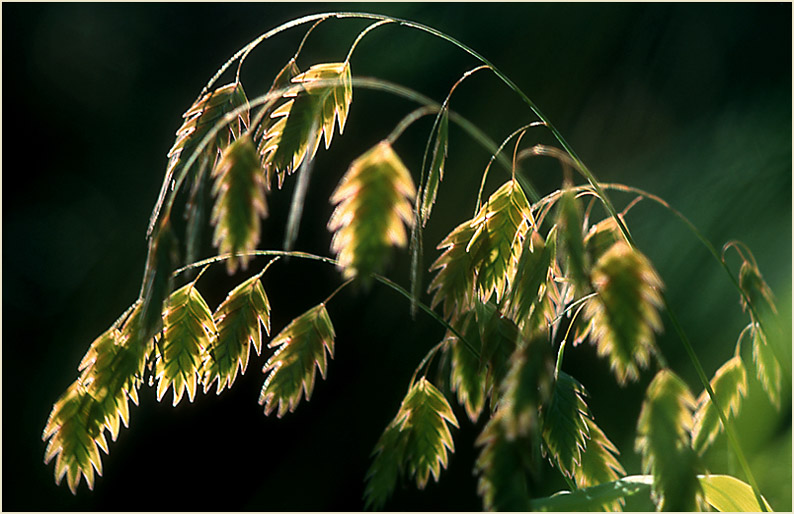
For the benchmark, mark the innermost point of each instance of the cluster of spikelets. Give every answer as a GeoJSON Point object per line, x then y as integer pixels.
{"type": "Point", "coordinates": [194, 348]}
{"type": "Point", "coordinates": [501, 283]}
{"type": "Point", "coordinates": [174, 336]}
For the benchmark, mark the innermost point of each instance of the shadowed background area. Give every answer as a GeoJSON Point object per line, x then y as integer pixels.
{"type": "Point", "coordinates": [689, 102]}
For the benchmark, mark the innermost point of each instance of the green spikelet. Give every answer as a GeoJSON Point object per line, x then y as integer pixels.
{"type": "Point", "coordinates": [437, 163]}
{"type": "Point", "coordinates": [511, 440]}
{"type": "Point", "coordinates": [528, 301]}
{"type": "Point", "coordinates": [600, 238]}
{"type": "Point", "coordinates": [569, 219]}
{"type": "Point", "coordinates": [110, 376]}
{"type": "Point", "coordinates": [321, 97]}
{"type": "Point", "coordinates": [386, 467]}
{"type": "Point", "coordinates": [500, 337]}
{"type": "Point", "coordinates": [373, 205]}
{"type": "Point", "coordinates": [527, 387]}
{"type": "Point", "coordinates": [624, 314]}
{"type": "Point", "coordinates": [454, 282]}
{"type": "Point", "coordinates": [501, 465]}
{"type": "Point", "coordinates": [565, 427]}
{"type": "Point", "coordinates": [466, 379]}
{"type": "Point", "coordinates": [499, 230]}
{"type": "Point", "coordinates": [290, 371]}
{"type": "Point", "coordinates": [729, 385]}
{"type": "Point", "coordinates": [202, 116]}
{"type": "Point", "coordinates": [188, 333]}
{"type": "Point", "coordinates": [239, 320]}
{"type": "Point", "coordinates": [663, 439]}
{"type": "Point", "coordinates": [755, 287]}
{"type": "Point", "coordinates": [280, 85]}
{"type": "Point", "coordinates": [767, 367]}
{"type": "Point", "coordinates": [239, 201]}
{"type": "Point", "coordinates": [69, 430]}
{"type": "Point", "coordinates": [416, 442]}
{"type": "Point", "coordinates": [599, 461]}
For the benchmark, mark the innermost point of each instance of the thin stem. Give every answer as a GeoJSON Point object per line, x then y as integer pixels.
{"type": "Point", "coordinates": [738, 245]}
{"type": "Point", "coordinates": [342, 286]}
{"type": "Point", "coordinates": [572, 305]}
{"type": "Point", "coordinates": [515, 152]}
{"type": "Point", "coordinates": [498, 153]}
{"type": "Point", "coordinates": [270, 263]}
{"type": "Point", "coordinates": [575, 315]}
{"type": "Point", "coordinates": [303, 41]}
{"type": "Point", "coordinates": [328, 260]}
{"type": "Point", "coordinates": [444, 105]}
{"type": "Point", "coordinates": [362, 34]}
{"type": "Point", "coordinates": [255, 253]}
{"type": "Point", "coordinates": [426, 360]}
{"type": "Point", "coordinates": [429, 311]}
{"type": "Point", "coordinates": [560, 354]}
{"type": "Point", "coordinates": [704, 379]}
{"type": "Point", "coordinates": [205, 268]}
{"type": "Point", "coordinates": [406, 122]}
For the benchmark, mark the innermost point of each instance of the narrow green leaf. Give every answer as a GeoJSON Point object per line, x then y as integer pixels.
{"type": "Point", "coordinates": [729, 494]}
{"type": "Point", "coordinates": [239, 320]}
{"type": "Point", "coordinates": [624, 313]}
{"type": "Point", "coordinates": [436, 173]}
{"type": "Point", "coordinates": [373, 206]}
{"type": "Point", "coordinates": [196, 212]}
{"type": "Point", "coordinates": [158, 280]}
{"type": "Point", "coordinates": [596, 497]}
{"type": "Point", "coordinates": [722, 492]}
{"type": "Point", "coordinates": [663, 438]}
{"type": "Point", "coordinates": [729, 385]}
{"type": "Point", "coordinates": [188, 333]}
{"type": "Point", "coordinates": [239, 201]}
{"type": "Point", "coordinates": [301, 347]}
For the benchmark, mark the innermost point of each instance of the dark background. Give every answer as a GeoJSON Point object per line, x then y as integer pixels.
{"type": "Point", "coordinates": [688, 101]}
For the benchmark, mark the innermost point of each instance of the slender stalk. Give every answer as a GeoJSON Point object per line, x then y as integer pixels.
{"type": "Point", "coordinates": [429, 311]}
{"type": "Point", "coordinates": [329, 260]}
{"type": "Point", "coordinates": [364, 33]}
{"type": "Point", "coordinates": [344, 285]}
{"type": "Point", "coordinates": [728, 426]}
{"type": "Point", "coordinates": [498, 153]}
{"type": "Point", "coordinates": [426, 360]}
{"type": "Point", "coordinates": [408, 120]}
